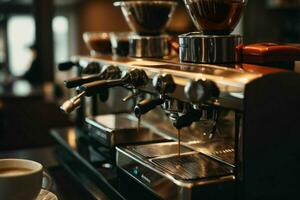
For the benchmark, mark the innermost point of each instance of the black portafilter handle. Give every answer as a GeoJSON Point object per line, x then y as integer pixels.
{"type": "Point", "coordinates": [91, 68]}
{"type": "Point", "coordinates": [146, 105]}
{"type": "Point", "coordinates": [187, 119]}
{"type": "Point", "coordinates": [65, 66]}
{"type": "Point", "coordinates": [75, 82]}
{"type": "Point", "coordinates": [110, 72]}
{"type": "Point", "coordinates": [134, 78]}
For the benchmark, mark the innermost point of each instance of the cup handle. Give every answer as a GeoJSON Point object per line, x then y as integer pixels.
{"type": "Point", "coordinates": [48, 183]}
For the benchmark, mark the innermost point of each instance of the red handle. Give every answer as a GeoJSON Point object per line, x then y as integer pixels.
{"type": "Point", "coordinates": [261, 53]}
{"type": "Point", "coordinates": [174, 44]}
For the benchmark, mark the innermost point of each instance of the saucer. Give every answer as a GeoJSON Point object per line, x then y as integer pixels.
{"type": "Point", "coordinates": [46, 195]}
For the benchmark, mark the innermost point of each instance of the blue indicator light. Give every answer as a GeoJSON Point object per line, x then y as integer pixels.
{"type": "Point", "coordinates": [136, 171]}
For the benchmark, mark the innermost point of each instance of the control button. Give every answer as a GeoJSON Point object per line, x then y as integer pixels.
{"type": "Point", "coordinates": [136, 171]}
{"type": "Point", "coordinates": [201, 91]}
{"type": "Point", "coordinates": [164, 83]}
{"type": "Point", "coordinates": [138, 77]}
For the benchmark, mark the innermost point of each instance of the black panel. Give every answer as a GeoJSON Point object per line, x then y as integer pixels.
{"type": "Point", "coordinates": [271, 137]}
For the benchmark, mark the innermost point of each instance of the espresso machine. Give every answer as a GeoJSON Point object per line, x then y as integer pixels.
{"type": "Point", "coordinates": [215, 127]}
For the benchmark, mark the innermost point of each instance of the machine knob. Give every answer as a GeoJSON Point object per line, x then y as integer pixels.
{"type": "Point", "coordinates": [65, 66]}
{"type": "Point", "coordinates": [201, 91]}
{"type": "Point", "coordinates": [164, 83]}
{"type": "Point", "coordinates": [92, 68]}
{"type": "Point", "coordinates": [137, 78]}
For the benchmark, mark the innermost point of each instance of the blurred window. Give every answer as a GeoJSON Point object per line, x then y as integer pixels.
{"type": "Point", "coordinates": [60, 26]}
{"type": "Point", "coordinates": [21, 34]}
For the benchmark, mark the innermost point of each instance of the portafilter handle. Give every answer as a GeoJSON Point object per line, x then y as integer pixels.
{"type": "Point", "coordinates": [110, 72]}
{"type": "Point", "coordinates": [134, 78]}
{"type": "Point", "coordinates": [146, 105]}
{"type": "Point", "coordinates": [90, 68]}
{"type": "Point", "coordinates": [65, 66]}
{"type": "Point", "coordinates": [187, 119]}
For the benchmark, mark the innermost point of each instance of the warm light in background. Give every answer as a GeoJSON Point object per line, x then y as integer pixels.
{"type": "Point", "coordinates": [21, 32]}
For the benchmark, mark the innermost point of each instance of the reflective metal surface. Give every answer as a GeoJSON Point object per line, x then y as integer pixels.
{"type": "Point", "coordinates": [158, 149]}
{"type": "Point", "coordinates": [192, 176]}
{"type": "Point", "coordinates": [230, 81]}
{"type": "Point", "coordinates": [192, 166]}
{"type": "Point", "coordinates": [215, 17]}
{"type": "Point", "coordinates": [198, 48]}
{"type": "Point", "coordinates": [111, 130]}
{"type": "Point", "coordinates": [149, 46]}
{"type": "Point", "coordinates": [221, 149]}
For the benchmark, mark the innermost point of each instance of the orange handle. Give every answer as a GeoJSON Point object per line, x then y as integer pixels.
{"type": "Point", "coordinates": [174, 44]}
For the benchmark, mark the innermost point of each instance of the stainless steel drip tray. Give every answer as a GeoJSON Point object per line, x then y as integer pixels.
{"type": "Point", "coordinates": [119, 129]}
{"type": "Point", "coordinates": [158, 149]}
{"type": "Point", "coordinates": [191, 166]}
{"type": "Point", "coordinates": [220, 149]}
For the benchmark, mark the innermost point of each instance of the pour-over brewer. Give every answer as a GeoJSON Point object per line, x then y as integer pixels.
{"type": "Point", "coordinates": [148, 19]}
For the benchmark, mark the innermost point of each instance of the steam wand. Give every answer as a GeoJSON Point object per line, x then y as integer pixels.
{"type": "Point", "coordinates": [134, 78]}
{"type": "Point", "coordinates": [73, 103]}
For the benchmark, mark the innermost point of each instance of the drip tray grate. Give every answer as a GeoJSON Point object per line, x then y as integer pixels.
{"type": "Point", "coordinates": [159, 149]}
{"type": "Point", "coordinates": [192, 167]}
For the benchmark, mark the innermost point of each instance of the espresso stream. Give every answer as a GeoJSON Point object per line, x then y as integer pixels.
{"type": "Point", "coordinates": [139, 124]}
{"type": "Point", "coordinates": [178, 138]}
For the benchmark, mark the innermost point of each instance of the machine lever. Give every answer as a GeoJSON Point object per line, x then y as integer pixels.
{"type": "Point", "coordinates": [65, 66]}
{"type": "Point", "coordinates": [146, 105]}
{"type": "Point", "coordinates": [134, 78]}
{"type": "Point", "coordinates": [110, 72]}
{"type": "Point", "coordinates": [187, 119]}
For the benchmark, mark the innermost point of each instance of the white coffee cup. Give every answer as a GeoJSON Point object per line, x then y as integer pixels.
{"type": "Point", "coordinates": [21, 179]}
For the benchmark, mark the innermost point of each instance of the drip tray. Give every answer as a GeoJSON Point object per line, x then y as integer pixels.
{"type": "Point", "coordinates": [159, 149]}
{"type": "Point", "coordinates": [191, 166]}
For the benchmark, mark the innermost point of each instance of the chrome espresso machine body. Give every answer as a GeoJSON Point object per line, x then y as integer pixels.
{"type": "Point", "coordinates": [232, 149]}
{"type": "Point", "coordinates": [237, 123]}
